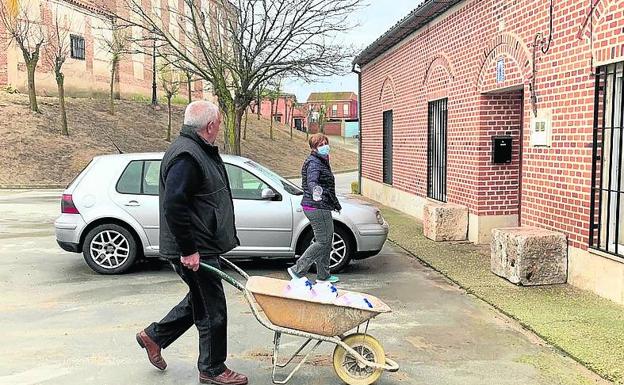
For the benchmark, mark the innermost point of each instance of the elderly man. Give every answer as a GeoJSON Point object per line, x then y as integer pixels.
{"type": "Point", "coordinates": [196, 224]}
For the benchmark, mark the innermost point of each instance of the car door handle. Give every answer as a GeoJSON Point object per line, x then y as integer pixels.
{"type": "Point", "coordinates": [133, 204]}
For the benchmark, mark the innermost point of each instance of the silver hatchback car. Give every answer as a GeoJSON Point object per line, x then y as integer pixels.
{"type": "Point", "coordinates": [110, 214]}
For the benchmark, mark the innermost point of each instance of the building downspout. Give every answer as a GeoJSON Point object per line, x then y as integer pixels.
{"type": "Point", "coordinates": [359, 74]}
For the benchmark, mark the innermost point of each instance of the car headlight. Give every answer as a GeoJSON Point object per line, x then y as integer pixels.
{"type": "Point", "coordinates": [380, 218]}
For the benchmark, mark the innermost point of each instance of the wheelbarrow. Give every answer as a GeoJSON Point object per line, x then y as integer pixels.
{"type": "Point", "coordinates": [358, 358]}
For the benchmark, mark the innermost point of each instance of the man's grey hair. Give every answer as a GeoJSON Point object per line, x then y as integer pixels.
{"type": "Point", "coordinates": [200, 113]}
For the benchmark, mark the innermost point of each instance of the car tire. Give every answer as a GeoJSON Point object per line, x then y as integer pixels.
{"type": "Point", "coordinates": [109, 249]}
{"type": "Point", "coordinates": [340, 235]}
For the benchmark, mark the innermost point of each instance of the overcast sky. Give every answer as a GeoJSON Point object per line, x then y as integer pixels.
{"type": "Point", "coordinates": [374, 20]}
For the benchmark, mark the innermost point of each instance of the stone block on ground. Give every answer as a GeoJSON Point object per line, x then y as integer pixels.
{"type": "Point", "coordinates": [445, 222]}
{"type": "Point", "coordinates": [529, 256]}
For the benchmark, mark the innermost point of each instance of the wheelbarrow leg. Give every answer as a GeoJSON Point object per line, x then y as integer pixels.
{"type": "Point", "coordinates": [275, 359]}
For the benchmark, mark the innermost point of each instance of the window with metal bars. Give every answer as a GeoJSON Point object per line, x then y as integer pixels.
{"type": "Point", "coordinates": [436, 150]}
{"type": "Point", "coordinates": [387, 147]}
{"type": "Point", "coordinates": [77, 47]}
{"type": "Point", "coordinates": [607, 217]}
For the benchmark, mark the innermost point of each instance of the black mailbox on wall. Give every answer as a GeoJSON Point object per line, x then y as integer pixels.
{"type": "Point", "coordinates": [501, 149]}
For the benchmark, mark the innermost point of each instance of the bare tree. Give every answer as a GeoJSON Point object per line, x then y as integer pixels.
{"type": "Point", "coordinates": [189, 85]}
{"type": "Point", "coordinates": [21, 28]}
{"type": "Point", "coordinates": [245, 126]}
{"type": "Point", "coordinates": [273, 94]}
{"type": "Point", "coordinates": [56, 54]}
{"type": "Point", "coordinates": [117, 45]}
{"type": "Point", "coordinates": [259, 91]}
{"type": "Point", "coordinates": [238, 45]}
{"type": "Point", "coordinates": [291, 121]}
{"type": "Point", "coordinates": [170, 81]}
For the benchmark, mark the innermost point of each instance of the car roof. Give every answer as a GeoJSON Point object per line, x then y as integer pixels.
{"type": "Point", "coordinates": [158, 155]}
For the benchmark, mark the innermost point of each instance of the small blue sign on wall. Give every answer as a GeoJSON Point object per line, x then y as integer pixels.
{"type": "Point", "coordinates": [500, 70]}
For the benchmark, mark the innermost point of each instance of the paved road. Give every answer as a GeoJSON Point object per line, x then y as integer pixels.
{"type": "Point", "coordinates": [63, 324]}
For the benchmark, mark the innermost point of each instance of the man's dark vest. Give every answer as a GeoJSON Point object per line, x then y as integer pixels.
{"type": "Point", "coordinates": [212, 209]}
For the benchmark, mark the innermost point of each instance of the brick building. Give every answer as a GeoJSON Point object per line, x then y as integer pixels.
{"type": "Point", "coordinates": [455, 79]}
{"type": "Point", "coordinates": [87, 71]}
{"type": "Point", "coordinates": [338, 107]}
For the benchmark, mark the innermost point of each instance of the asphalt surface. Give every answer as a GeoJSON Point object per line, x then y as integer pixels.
{"type": "Point", "coordinates": [61, 323]}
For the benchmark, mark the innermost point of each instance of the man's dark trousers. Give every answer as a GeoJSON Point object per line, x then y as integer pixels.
{"type": "Point", "coordinates": [203, 306]}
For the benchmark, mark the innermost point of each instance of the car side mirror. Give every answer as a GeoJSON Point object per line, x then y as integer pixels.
{"type": "Point", "coordinates": [268, 194]}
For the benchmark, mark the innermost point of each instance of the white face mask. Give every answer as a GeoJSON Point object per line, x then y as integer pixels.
{"type": "Point", "coordinates": [323, 150]}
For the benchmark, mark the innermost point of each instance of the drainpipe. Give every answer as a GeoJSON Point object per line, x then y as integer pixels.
{"type": "Point", "coordinates": [359, 74]}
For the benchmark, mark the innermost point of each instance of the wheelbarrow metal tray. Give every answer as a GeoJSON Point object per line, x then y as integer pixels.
{"type": "Point", "coordinates": [308, 315]}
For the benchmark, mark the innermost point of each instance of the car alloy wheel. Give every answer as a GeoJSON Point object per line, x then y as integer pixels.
{"type": "Point", "coordinates": [340, 255]}
{"type": "Point", "coordinates": [109, 249]}
{"type": "Point", "coordinates": [339, 251]}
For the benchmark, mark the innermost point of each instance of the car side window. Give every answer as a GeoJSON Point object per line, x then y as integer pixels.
{"type": "Point", "coordinates": [130, 180]}
{"type": "Point", "coordinates": [151, 177]}
{"type": "Point", "coordinates": [244, 185]}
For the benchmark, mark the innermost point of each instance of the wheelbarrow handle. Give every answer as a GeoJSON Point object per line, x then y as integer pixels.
{"type": "Point", "coordinates": [240, 271]}
{"type": "Point", "coordinates": [226, 277]}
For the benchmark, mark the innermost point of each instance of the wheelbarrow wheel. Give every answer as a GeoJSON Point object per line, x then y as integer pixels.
{"type": "Point", "coordinates": [349, 369]}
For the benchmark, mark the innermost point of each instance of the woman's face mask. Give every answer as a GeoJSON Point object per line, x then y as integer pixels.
{"type": "Point", "coordinates": [323, 150]}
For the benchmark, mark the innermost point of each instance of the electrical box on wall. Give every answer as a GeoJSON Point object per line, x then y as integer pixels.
{"type": "Point", "coordinates": [501, 149]}
{"type": "Point", "coordinates": [541, 128]}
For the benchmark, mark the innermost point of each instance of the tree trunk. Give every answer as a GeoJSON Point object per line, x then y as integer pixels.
{"type": "Point", "coordinates": [259, 104]}
{"type": "Point", "coordinates": [60, 82]}
{"type": "Point", "coordinates": [112, 90]}
{"type": "Point", "coordinates": [240, 111]}
{"type": "Point", "coordinates": [245, 128]}
{"type": "Point", "coordinates": [291, 121]}
{"type": "Point", "coordinates": [190, 91]}
{"type": "Point", "coordinates": [168, 137]}
{"type": "Point", "coordinates": [271, 127]}
{"type": "Point", "coordinates": [229, 132]}
{"type": "Point", "coordinates": [31, 66]}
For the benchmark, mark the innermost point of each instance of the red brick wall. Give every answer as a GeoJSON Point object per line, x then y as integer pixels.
{"type": "Point", "coordinates": [455, 56]}
{"type": "Point", "coordinates": [498, 184]}
{"type": "Point", "coordinates": [330, 128]}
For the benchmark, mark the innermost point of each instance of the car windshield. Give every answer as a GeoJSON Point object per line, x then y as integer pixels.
{"type": "Point", "coordinates": [288, 186]}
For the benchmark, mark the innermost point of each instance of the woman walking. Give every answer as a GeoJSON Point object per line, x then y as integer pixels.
{"type": "Point", "coordinates": [319, 200]}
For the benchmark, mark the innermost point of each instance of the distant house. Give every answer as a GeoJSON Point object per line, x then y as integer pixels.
{"type": "Point", "coordinates": [87, 70]}
{"type": "Point", "coordinates": [284, 109]}
{"type": "Point", "coordinates": [279, 109]}
{"type": "Point", "coordinates": [334, 108]}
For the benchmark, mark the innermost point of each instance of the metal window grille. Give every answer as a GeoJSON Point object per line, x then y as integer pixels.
{"type": "Point", "coordinates": [436, 151]}
{"type": "Point", "coordinates": [77, 47]}
{"type": "Point", "coordinates": [387, 147]}
{"type": "Point", "coordinates": [606, 231]}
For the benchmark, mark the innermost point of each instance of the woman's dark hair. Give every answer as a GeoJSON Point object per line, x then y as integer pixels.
{"type": "Point", "coordinates": [318, 140]}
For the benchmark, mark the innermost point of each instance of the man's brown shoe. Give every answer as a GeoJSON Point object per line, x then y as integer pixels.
{"type": "Point", "coordinates": [226, 378]}
{"type": "Point", "coordinates": [153, 350]}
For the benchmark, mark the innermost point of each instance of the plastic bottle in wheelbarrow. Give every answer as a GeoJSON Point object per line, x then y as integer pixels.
{"type": "Point", "coordinates": [299, 288]}
{"type": "Point", "coordinates": [324, 292]}
{"type": "Point", "coordinates": [352, 299]}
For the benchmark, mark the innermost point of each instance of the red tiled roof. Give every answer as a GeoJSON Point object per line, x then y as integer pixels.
{"type": "Point", "coordinates": [331, 96]}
